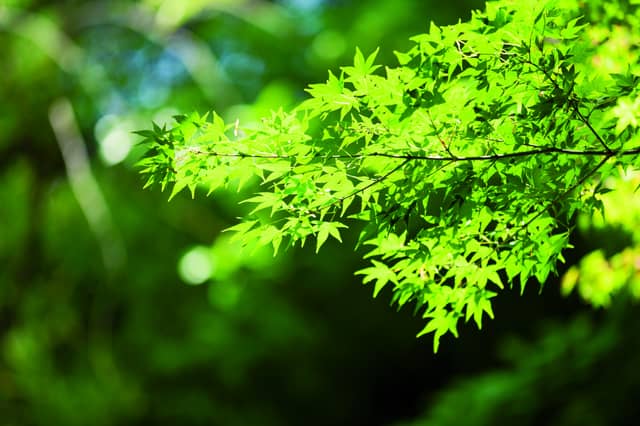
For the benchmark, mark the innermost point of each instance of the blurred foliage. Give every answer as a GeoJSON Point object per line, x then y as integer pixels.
{"type": "Point", "coordinates": [615, 266]}
{"type": "Point", "coordinates": [581, 372]}
{"type": "Point", "coordinates": [96, 326]}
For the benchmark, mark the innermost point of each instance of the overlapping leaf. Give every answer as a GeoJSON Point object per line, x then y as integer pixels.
{"type": "Point", "coordinates": [466, 162]}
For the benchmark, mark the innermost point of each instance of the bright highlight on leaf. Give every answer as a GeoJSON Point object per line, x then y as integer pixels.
{"type": "Point", "coordinates": [464, 166]}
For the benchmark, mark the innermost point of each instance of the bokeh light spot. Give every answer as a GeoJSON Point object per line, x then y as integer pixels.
{"type": "Point", "coordinates": [196, 265]}
{"type": "Point", "coordinates": [115, 139]}
{"type": "Point", "coordinates": [328, 45]}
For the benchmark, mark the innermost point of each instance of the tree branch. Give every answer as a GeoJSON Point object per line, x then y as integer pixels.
{"type": "Point", "coordinates": [416, 157]}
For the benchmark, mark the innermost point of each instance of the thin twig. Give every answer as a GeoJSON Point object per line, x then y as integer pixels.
{"type": "Point", "coordinates": [560, 196]}
{"type": "Point", "coordinates": [442, 142]}
{"type": "Point", "coordinates": [574, 107]}
{"type": "Point", "coordinates": [417, 157]}
{"type": "Point", "coordinates": [369, 185]}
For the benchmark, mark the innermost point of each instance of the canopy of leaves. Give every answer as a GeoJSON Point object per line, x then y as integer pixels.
{"type": "Point", "coordinates": [96, 326]}
{"type": "Point", "coordinates": [466, 163]}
